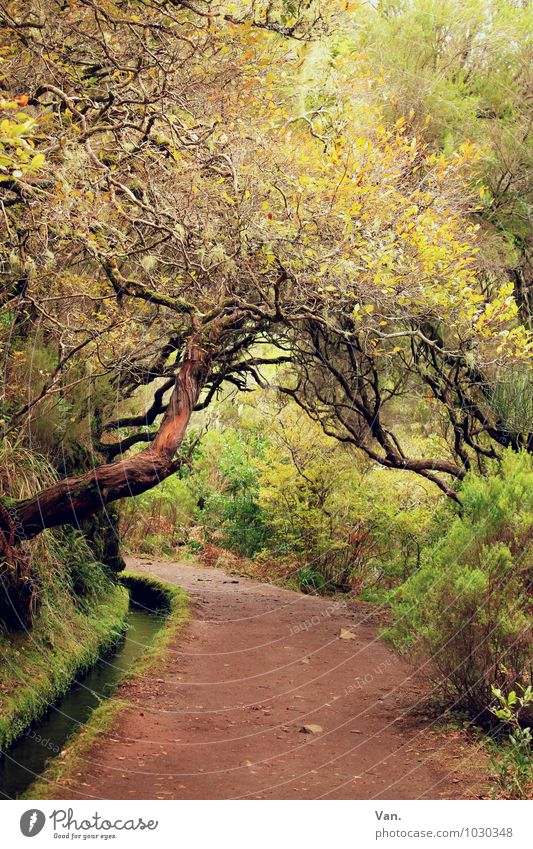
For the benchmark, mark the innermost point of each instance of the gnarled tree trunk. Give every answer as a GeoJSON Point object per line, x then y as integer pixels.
{"type": "Point", "coordinates": [73, 499]}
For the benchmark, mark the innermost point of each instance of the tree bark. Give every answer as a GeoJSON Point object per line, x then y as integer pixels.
{"type": "Point", "coordinates": [73, 499]}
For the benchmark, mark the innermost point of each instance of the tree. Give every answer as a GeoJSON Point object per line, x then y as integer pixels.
{"type": "Point", "coordinates": [185, 211]}
{"type": "Point", "coordinates": [459, 70]}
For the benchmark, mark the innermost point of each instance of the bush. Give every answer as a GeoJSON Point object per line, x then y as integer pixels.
{"type": "Point", "coordinates": [225, 480]}
{"type": "Point", "coordinates": [513, 763]}
{"type": "Point", "coordinates": [468, 609]}
{"type": "Point", "coordinates": [329, 510]}
{"type": "Point", "coordinates": [310, 580]}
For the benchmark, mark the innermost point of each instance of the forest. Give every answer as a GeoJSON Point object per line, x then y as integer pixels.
{"type": "Point", "coordinates": [266, 307]}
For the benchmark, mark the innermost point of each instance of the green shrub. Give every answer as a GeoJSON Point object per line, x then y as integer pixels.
{"type": "Point", "coordinates": [323, 505]}
{"type": "Point", "coordinates": [512, 764]}
{"type": "Point", "coordinates": [467, 611]}
{"type": "Point", "coordinates": [226, 482]}
{"type": "Point", "coordinates": [154, 544]}
{"type": "Point", "coordinates": [310, 580]}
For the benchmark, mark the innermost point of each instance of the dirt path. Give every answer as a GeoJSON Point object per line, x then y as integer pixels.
{"type": "Point", "coordinates": [255, 665]}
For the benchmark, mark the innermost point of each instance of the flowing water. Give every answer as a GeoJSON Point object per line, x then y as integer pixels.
{"type": "Point", "coordinates": [29, 755]}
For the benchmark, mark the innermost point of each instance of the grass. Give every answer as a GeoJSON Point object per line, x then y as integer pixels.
{"type": "Point", "coordinates": [38, 666]}
{"type": "Point", "coordinates": [81, 614]}
{"type": "Point", "coordinates": [146, 590]}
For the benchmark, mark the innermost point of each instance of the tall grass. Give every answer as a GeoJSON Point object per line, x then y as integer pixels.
{"type": "Point", "coordinates": [81, 610]}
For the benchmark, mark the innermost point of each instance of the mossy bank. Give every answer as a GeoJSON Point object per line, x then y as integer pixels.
{"type": "Point", "coordinates": [151, 594]}
{"type": "Point", "coordinates": [81, 615]}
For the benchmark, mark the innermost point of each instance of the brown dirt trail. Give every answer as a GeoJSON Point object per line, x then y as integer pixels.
{"type": "Point", "coordinates": [254, 665]}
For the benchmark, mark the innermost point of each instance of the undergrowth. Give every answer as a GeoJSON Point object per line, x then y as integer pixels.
{"type": "Point", "coordinates": [80, 614]}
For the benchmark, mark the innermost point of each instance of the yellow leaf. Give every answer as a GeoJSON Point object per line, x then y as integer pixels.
{"type": "Point", "coordinates": [37, 161]}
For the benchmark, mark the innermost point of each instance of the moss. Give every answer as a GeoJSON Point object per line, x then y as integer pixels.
{"type": "Point", "coordinates": [150, 592]}
{"type": "Point", "coordinates": [147, 591]}
{"type": "Point", "coordinates": [37, 667]}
